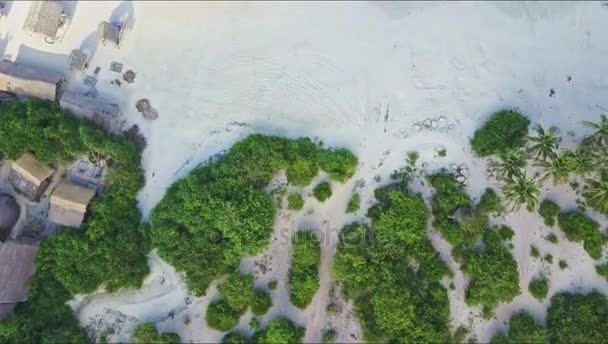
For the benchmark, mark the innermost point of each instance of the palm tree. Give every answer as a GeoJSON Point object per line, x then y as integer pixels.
{"type": "Point", "coordinates": [596, 193]}
{"type": "Point", "coordinates": [559, 168]}
{"type": "Point", "coordinates": [512, 163]}
{"type": "Point", "coordinates": [520, 191]}
{"type": "Point", "coordinates": [600, 159]}
{"type": "Point", "coordinates": [544, 144]}
{"type": "Point", "coordinates": [600, 136]}
{"type": "Point", "coordinates": [583, 161]}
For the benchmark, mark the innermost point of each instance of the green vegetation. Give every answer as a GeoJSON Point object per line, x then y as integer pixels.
{"type": "Point", "coordinates": [523, 328]}
{"type": "Point", "coordinates": [447, 199]}
{"type": "Point", "coordinates": [580, 228]}
{"type": "Point", "coordinates": [280, 331]}
{"type": "Point", "coordinates": [238, 291]}
{"type": "Point", "coordinates": [539, 287]}
{"type": "Point", "coordinates": [602, 270]}
{"type": "Point", "coordinates": [548, 258]}
{"type": "Point", "coordinates": [261, 302]}
{"type": "Point", "coordinates": [295, 201]}
{"type": "Point", "coordinates": [505, 129]}
{"type": "Point", "coordinates": [521, 191]}
{"type": "Point", "coordinates": [552, 238]}
{"type": "Point", "coordinates": [322, 192]}
{"type": "Point", "coordinates": [330, 336]}
{"type": "Point", "coordinates": [354, 204]}
{"type": "Point", "coordinates": [544, 145]}
{"type": "Point", "coordinates": [576, 318]}
{"type": "Point", "coordinates": [511, 163]}
{"type": "Point", "coordinates": [549, 211]}
{"type": "Point", "coordinates": [147, 333]}
{"type": "Point", "coordinates": [493, 272]}
{"type": "Point", "coordinates": [534, 252]}
{"type": "Point", "coordinates": [558, 168]}
{"type": "Point", "coordinates": [505, 232]}
{"type": "Point", "coordinates": [234, 337]}
{"type": "Point", "coordinates": [394, 276]}
{"type": "Point", "coordinates": [110, 249]}
{"type": "Point", "coordinates": [490, 203]}
{"type": "Point", "coordinates": [563, 264]}
{"type": "Point", "coordinates": [593, 157]}
{"type": "Point", "coordinates": [221, 316]}
{"type": "Point", "coordinates": [220, 213]}
{"type": "Point", "coordinates": [272, 285]}
{"type": "Point", "coordinates": [304, 272]}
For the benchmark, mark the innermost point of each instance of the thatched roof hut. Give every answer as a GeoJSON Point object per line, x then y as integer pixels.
{"type": "Point", "coordinates": [69, 204]}
{"type": "Point", "coordinates": [9, 215]}
{"type": "Point", "coordinates": [30, 177]}
{"type": "Point", "coordinates": [17, 265]}
{"type": "Point", "coordinates": [108, 33]}
{"type": "Point", "coordinates": [45, 18]}
{"type": "Point", "coordinates": [78, 60]}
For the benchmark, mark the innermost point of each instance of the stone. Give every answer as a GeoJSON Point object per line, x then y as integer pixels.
{"type": "Point", "coordinates": [417, 127]}
{"type": "Point", "coordinates": [427, 123]}
{"type": "Point", "coordinates": [434, 124]}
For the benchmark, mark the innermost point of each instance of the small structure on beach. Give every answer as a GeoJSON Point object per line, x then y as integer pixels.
{"type": "Point", "coordinates": [87, 175]}
{"type": "Point", "coordinates": [17, 265]}
{"type": "Point", "coordinates": [69, 204]}
{"type": "Point", "coordinates": [9, 215]}
{"type": "Point", "coordinates": [45, 19]}
{"type": "Point", "coordinates": [103, 113]}
{"type": "Point", "coordinates": [30, 177]}
{"type": "Point", "coordinates": [109, 33]}
{"type": "Point", "coordinates": [78, 60]}
{"type": "Point", "coordinates": [30, 81]}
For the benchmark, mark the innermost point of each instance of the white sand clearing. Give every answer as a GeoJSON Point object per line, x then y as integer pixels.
{"type": "Point", "coordinates": [378, 78]}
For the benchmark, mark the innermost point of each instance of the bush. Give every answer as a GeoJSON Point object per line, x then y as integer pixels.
{"type": "Point", "coordinates": [394, 301]}
{"type": "Point", "coordinates": [220, 213]}
{"type": "Point", "coordinates": [237, 291]}
{"type": "Point", "coordinates": [602, 270]}
{"type": "Point", "coordinates": [548, 258]}
{"type": "Point", "coordinates": [220, 316]}
{"type": "Point", "coordinates": [280, 331]}
{"type": "Point", "coordinates": [539, 287]}
{"type": "Point", "coordinates": [490, 203]}
{"type": "Point", "coordinates": [493, 272]}
{"type": "Point", "coordinates": [562, 264]}
{"type": "Point", "coordinates": [147, 333]}
{"type": "Point", "coordinates": [447, 199]}
{"type": "Point", "coordinates": [329, 336]}
{"type": "Point", "coordinates": [534, 252]}
{"type": "Point", "coordinates": [234, 337]}
{"type": "Point", "coordinates": [549, 211]}
{"type": "Point", "coordinates": [304, 272]}
{"type": "Point", "coordinates": [580, 228]}
{"type": "Point", "coordinates": [110, 249]}
{"type": "Point", "coordinates": [523, 328]}
{"type": "Point", "coordinates": [505, 129]}
{"type": "Point", "coordinates": [295, 201]}
{"type": "Point", "coordinates": [505, 232]}
{"type": "Point", "coordinates": [322, 192]}
{"type": "Point", "coordinates": [261, 302]}
{"type": "Point", "coordinates": [272, 285]}
{"type": "Point", "coordinates": [577, 318]}
{"type": "Point", "coordinates": [354, 204]}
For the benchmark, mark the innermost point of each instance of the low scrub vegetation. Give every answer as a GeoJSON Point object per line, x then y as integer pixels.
{"type": "Point", "coordinates": [147, 333]}
{"type": "Point", "coordinates": [580, 228]}
{"type": "Point", "coordinates": [295, 201]}
{"type": "Point", "coordinates": [523, 328]}
{"type": "Point", "coordinates": [322, 192]}
{"type": "Point", "coordinates": [505, 129]}
{"type": "Point", "coordinates": [549, 212]}
{"type": "Point", "coordinates": [354, 204]}
{"type": "Point", "coordinates": [280, 331]}
{"type": "Point", "coordinates": [539, 287]}
{"type": "Point", "coordinates": [304, 272]}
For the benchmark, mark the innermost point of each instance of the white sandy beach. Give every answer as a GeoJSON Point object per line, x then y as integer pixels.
{"type": "Point", "coordinates": [359, 75]}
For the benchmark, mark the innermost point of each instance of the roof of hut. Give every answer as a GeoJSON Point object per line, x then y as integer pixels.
{"type": "Point", "coordinates": [17, 265]}
{"type": "Point", "coordinates": [31, 169]}
{"type": "Point", "coordinates": [9, 214]}
{"type": "Point", "coordinates": [45, 17]}
{"type": "Point", "coordinates": [72, 197]}
{"type": "Point", "coordinates": [108, 32]}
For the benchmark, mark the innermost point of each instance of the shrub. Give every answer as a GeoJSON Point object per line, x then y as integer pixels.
{"type": "Point", "coordinates": [539, 287]}
{"type": "Point", "coordinates": [147, 333]}
{"type": "Point", "coordinates": [322, 192]}
{"type": "Point", "coordinates": [329, 336]}
{"type": "Point", "coordinates": [261, 302]}
{"type": "Point", "coordinates": [602, 270]}
{"type": "Point", "coordinates": [220, 213]}
{"type": "Point", "coordinates": [493, 272]}
{"type": "Point", "coordinates": [534, 252]}
{"type": "Point", "coordinates": [295, 201]}
{"type": "Point", "coordinates": [580, 228]}
{"type": "Point", "coordinates": [562, 264]}
{"type": "Point", "coordinates": [280, 331]}
{"type": "Point", "coordinates": [220, 316]}
{"type": "Point", "coordinates": [272, 285]}
{"type": "Point", "coordinates": [304, 272]}
{"type": "Point", "coordinates": [577, 318]}
{"type": "Point", "coordinates": [447, 199]}
{"type": "Point", "coordinates": [234, 337]}
{"type": "Point", "coordinates": [505, 232]}
{"type": "Point", "coordinates": [523, 328]}
{"type": "Point", "coordinates": [505, 129]}
{"type": "Point", "coordinates": [548, 258]}
{"type": "Point", "coordinates": [237, 290]}
{"type": "Point", "coordinates": [354, 204]}
{"type": "Point", "coordinates": [552, 238]}
{"type": "Point", "coordinates": [490, 202]}
{"type": "Point", "coordinates": [549, 211]}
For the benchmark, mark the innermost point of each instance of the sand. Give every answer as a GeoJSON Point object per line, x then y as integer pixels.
{"type": "Point", "coordinates": [364, 76]}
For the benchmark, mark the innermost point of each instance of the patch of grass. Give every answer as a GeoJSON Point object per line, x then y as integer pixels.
{"type": "Point", "coordinates": [304, 272]}
{"type": "Point", "coordinates": [354, 204]}
{"type": "Point", "coordinates": [295, 201]}
{"type": "Point", "coordinates": [490, 203]}
{"type": "Point", "coordinates": [322, 192]}
{"type": "Point", "coordinates": [549, 212]}
{"type": "Point", "coordinates": [504, 130]}
{"type": "Point", "coordinates": [539, 287]}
